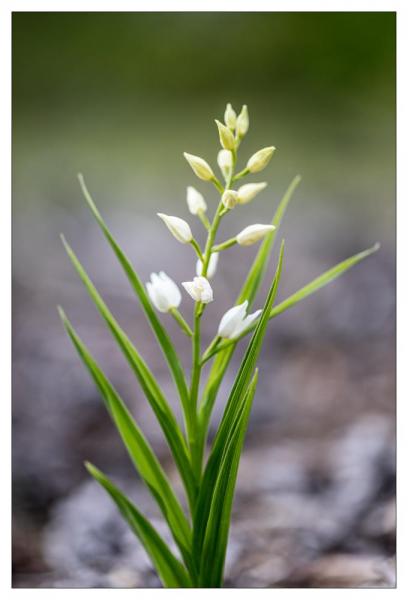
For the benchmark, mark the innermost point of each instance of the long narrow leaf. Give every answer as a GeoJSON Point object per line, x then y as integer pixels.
{"type": "Point", "coordinates": [321, 281]}
{"type": "Point", "coordinates": [171, 572]}
{"type": "Point", "coordinates": [146, 379]}
{"type": "Point", "coordinates": [138, 447]}
{"type": "Point", "coordinates": [161, 334]}
{"type": "Point", "coordinates": [258, 269]}
{"type": "Point", "coordinates": [248, 292]}
{"type": "Point", "coordinates": [216, 534]}
{"type": "Point", "coordinates": [241, 383]}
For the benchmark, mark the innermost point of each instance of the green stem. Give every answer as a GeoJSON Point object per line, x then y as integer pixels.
{"type": "Point", "coordinates": [181, 321]}
{"type": "Point", "coordinates": [197, 249]}
{"type": "Point", "coordinates": [194, 389]}
{"type": "Point", "coordinates": [225, 245]}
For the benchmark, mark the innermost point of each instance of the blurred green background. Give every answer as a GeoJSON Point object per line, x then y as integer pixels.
{"type": "Point", "coordinates": [119, 97]}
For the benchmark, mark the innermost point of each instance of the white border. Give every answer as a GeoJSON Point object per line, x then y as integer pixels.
{"type": "Point", "coordinates": [8, 6]}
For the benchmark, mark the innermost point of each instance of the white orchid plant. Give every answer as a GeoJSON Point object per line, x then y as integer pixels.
{"type": "Point", "coordinates": [199, 521]}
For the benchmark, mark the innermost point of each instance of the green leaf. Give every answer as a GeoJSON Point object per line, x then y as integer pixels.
{"type": "Point", "coordinates": [248, 292]}
{"type": "Point", "coordinates": [138, 447]}
{"type": "Point", "coordinates": [148, 383]}
{"type": "Point", "coordinates": [321, 281]}
{"type": "Point", "coordinates": [216, 534]}
{"type": "Point", "coordinates": [171, 572]}
{"type": "Point", "coordinates": [241, 383]}
{"type": "Point", "coordinates": [161, 334]}
{"type": "Point", "coordinates": [259, 266]}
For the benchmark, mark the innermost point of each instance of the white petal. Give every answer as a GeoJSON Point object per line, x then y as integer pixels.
{"type": "Point", "coordinates": [231, 319]}
{"type": "Point", "coordinates": [245, 323]}
{"type": "Point", "coordinates": [190, 289]}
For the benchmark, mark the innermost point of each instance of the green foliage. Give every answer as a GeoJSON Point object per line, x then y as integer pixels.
{"type": "Point", "coordinates": [201, 533]}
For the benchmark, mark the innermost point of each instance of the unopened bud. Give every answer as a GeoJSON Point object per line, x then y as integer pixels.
{"type": "Point", "coordinates": [195, 201]}
{"type": "Point", "coordinates": [224, 160]}
{"type": "Point", "coordinates": [178, 227]}
{"type": "Point", "coordinates": [247, 192]}
{"type": "Point", "coordinates": [253, 233]}
{"type": "Point", "coordinates": [243, 122]}
{"type": "Point", "coordinates": [260, 159]}
{"type": "Point", "coordinates": [230, 117]}
{"type": "Point", "coordinates": [227, 140]}
{"type": "Point", "coordinates": [200, 167]}
{"type": "Point", "coordinates": [229, 198]}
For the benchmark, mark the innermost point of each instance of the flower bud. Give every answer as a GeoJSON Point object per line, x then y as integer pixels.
{"type": "Point", "coordinates": [212, 265]}
{"type": "Point", "coordinates": [230, 117]}
{"type": "Point", "coordinates": [227, 140]}
{"type": "Point", "coordinates": [178, 227]}
{"type": "Point", "coordinates": [199, 289]}
{"type": "Point", "coordinates": [243, 122]}
{"type": "Point", "coordinates": [163, 292]}
{"type": "Point", "coordinates": [229, 198]}
{"type": "Point", "coordinates": [234, 322]}
{"type": "Point", "coordinates": [253, 233]}
{"type": "Point", "coordinates": [200, 167]}
{"type": "Point", "coordinates": [195, 201]}
{"type": "Point", "coordinates": [247, 192]}
{"type": "Point", "coordinates": [224, 160]}
{"type": "Point", "coordinates": [260, 159]}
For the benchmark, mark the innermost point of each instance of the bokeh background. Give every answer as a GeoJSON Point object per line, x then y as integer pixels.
{"type": "Point", "coordinates": [119, 97]}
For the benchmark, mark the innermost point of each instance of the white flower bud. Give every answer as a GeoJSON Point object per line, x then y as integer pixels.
{"type": "Point", "coordinates": [230, 117]}
{"type": "Point", "coordinates": [212, 265]}
{"type": "Point", "coordinates": [253, 233]}
{"type": "Point", "coordinates": [234, 322]}
{"type": "Point", "coordinates": [178, 227]}
{"type": "Point", "coordinates": [199, 289]}
{"type": "Point", "coordinates": [229, 198]}
{"type": "Point", "coordinates": [260, 159]}
{"type": "Point", "coordinates": [243, 122]}
{"type": "Point", "coordinates": [200, 167]}
{"type": "Point", "coordinates": [224, 160]}
{"type": "Point", "coordinates": [227, 140]}
{"type": "Point", "coordinates": [163, 292]}
{"type": "Point", "coordinates": [247, 192]}
{"type": "Point", "coordinates": [195, 201]}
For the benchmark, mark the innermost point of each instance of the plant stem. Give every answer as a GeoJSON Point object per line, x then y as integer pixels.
{"type": "Point", "coordinates": [181, 321]}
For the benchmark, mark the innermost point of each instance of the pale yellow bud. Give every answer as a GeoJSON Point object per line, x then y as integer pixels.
{"type": "Point", "coordinates": [247, 192]}
{"type": "Point", "coordinates": [253, 233]}
{"type": "Point", "coordinates": [260, 159]}
{"type": "Point", "coordinates": [225, 161]}
{"type": "Point", "coordinates": [229, 198]}
{"type": "Point", "coordinates": [227, 140]}
{"type": "Point", "coordinates": [243, 122]}
{"type": "Point", "coordinates": [200, 167]}
{"type": "Point", "coordinates": [230, 117]}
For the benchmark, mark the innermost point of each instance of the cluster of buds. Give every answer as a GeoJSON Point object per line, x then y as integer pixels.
{"type": "Point", "coordinates": [164, 293]}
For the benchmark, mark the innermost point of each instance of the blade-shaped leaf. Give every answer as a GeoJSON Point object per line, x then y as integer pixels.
{"type": "Point", "coordinates": [248, 292]}
{"type": "Point", "coordinates": [146, 379]}
{"type": "Point", "coordinates": [257, 272]}
{"type": "Point", "coordinates": [216, 534]}
{"type": "Point", "coordinates": [170, 570]}
{"type": "Point", "coordinates": [137, 446]}
{"type": "Point", "coordinates": [241, 383]}
{"type": "Point", "coordinates": [321, 281]}
{"type": "Point", "coordinates": [161, 334]}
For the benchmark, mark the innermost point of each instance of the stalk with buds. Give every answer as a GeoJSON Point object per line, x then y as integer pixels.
{"type": "Point", "coordinates": [199, 523]}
